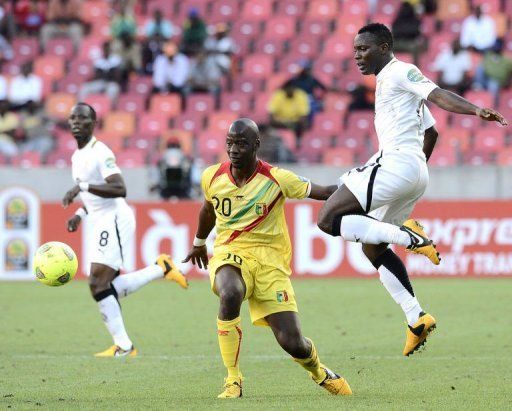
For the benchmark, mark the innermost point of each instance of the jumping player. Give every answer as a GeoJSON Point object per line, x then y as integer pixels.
{"type": "Point", "coordinates": [102, 190]}
{"type": "Point", "coordinates": [244, 201]}
{"type": "Point", "coordinates": [373, 202]}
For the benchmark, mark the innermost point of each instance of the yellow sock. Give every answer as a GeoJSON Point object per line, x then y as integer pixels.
{"type": "Point", "coordinates": [230, 339]}
{"type": "Point", "coordinates": [312, 365]}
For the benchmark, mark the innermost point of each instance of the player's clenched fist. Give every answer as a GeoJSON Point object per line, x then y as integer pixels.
{"type": "Point", "coordinates": [70, 196]}
{"type": "Point", "coordinates": [198, 256]}
{"type": "Point", "coordinates": [73, 223]}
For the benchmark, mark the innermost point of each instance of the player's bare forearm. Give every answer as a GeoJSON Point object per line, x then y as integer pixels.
{"type": "Point", "coordinates": [319, 192]}
{"type": "Point", "coordinates": [206, 220]}
{"type": "Point", "coordinates": [452, 102]}
{"type": "Point", "coordinates": [429, 141]}
{"type": "Point", "coordinates": [113, 188]}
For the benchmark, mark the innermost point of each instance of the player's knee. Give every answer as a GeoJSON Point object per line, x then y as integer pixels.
{"type": "Point", "coordinates": [98, 284]}
{"type": "Point", "coordinates": [231, 296]}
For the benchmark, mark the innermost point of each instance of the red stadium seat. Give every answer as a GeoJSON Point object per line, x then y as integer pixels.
{"type": "Point", "coordinates": [480, 98]}
{"type": "Point", "coordinates": [353, 139]}
{"type": "Point", "coordinates": [114, 141]}
{"type": "Point", "coordinates": [101, 103]}
{"type": "Point", "coordinates": [452, 9]}
{"type": "Point", "coordinates": [505, 157]}
{"type": "Point", "coordinates": [224, 11]}
{"type": "Point", "coordinates": [133, 103]}
{"type": "Point", "coordinates": [304, 46]}
{"type": "Point", "coordinates": [348, 26]}
{"type": "Point", "coordinates": [185, 138]}
{"type": "Point", "coordinates": [131, 158]}
{"type": "Point", "coordinates": [190, 121]}
{"type": "Point", "coordinates": [70, 84]}
{"type": "Point", "coordinates": [362, 120]}
{"type": "Point", "coordinates": [339, 157]}
{"type": "Point", "coordinates": [49, 67]}
{"type": "Point", "coordinates": [476, 158]}
{"type": "Point", "coordinates": [59, 159]}
{"type": "Point", "coordinates": [258, 65]}
{"type": "Point", "coordinates": [236, 102]}
{"type": "Point", "coordinates": [28, 159]}
{"type": "Point", "coordinates": [314, 27]}
{"type": "Point", "coordinates": [441, 116]}
{"type": "Point", "coordinates": [453, 26]}
{"type": "Point", "coordinates": [90, 48]}
{"type": "Point", "coordinates": [336, 102]}
{"type": "Point", "coordinates": [289, 64]}
{"type": "Point", "coordinates": [62, 47]}
{"type": "Point", "coordinates": [245, 29]}
{"type": "Point", "coordinates": [276, 81]}
{"type": "Point", "coordinates": [351, 79]}
{"type": "Point", "coordinates": [219, 122]}
{"type": "Point", "coordinates": [459, 138]}
{"type": "Point", "coordinates": [489, 140]}
{"type": "Point", "coordinates": [258, 10]}
{"type": "Point", "coordinates": [389, 7]}
{"type": "Point", "coordinates": [95, 10]}
{"type": "Point", "coordinates": [469, 122]}
{"type": "Point", "coordinates": [338, 48]}
{"type": "Point", "coordinates": [25, 47]}
{"type": "Point", "coordinates": [293, 8]}
{"type": "Point", "coordinates": [58, 105]}
{"type": "Point", "coordinates": [247, 84]}
{"type": "Point", "coordinates": [260, 104]}
{"type": "Point", "coordinates": [120, 123]}
{"type": "Point", "coordinates": [327, 124]}
{"type": "Point", "coordinates": [140, 85]}
{"type": "Point", "coordinates": [488, 6]}
{"type": "Point", "coordinates": [323, 9]}
{"type": "Point", "coordinates": [280, 27]}
{"type": "Point", "coordinates": [443, 157]}
{"type": "Point", "coordinates": [168, 104]}
{"type": "Point", "coordinates": [288, 137]}
{"type": "Point", "coordinates": [200, 103]}
{"type": "Point", "coordinates": [357, 9]}
{"type": "Point", "coordinates": [153, 124]}
{"type": "Point", "coordinates": [269, 45]}
{"type": "Point", "coordinates": [210, 145]}
{"type": "Point", "coordinates": [82, 68]}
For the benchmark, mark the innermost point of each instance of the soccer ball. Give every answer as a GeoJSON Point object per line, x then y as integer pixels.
{"type": "Point", "coordinates": [55, 264]}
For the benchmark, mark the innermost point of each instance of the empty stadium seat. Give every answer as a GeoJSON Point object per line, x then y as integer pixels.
{"type": "Point", "coordinates": [489, 140]}
{"type": "Point", "coordinates": [152, 124]}
{"type": "Point", "coordinates": [480, 98]}
{"type": "Point", "coordinates": [140, 85]}
{"type": "Point", "coordinates": [247, 84]}
{"type": "Point", "coordinates": [338, 47]}
{"type": "Point", "coordinates": [336, 102]}
{"type": "Point", "coordinates": [323, 9]}
{"type": "Point", "coordinates": [190, 121]}
{"type": "Point", "coordinates": [210, 146]}
{"type": "Point", "coordinates": [504, 157]}
{"type": "Point", "coordinates": [258, 65]}
{"type": "Point", "coordinates": [450, 9]}
{"type": "Point", "coordinates": [236, 102]}
{"type": "Point", "coordinates": [219, 122]}
{"type": "Point", "coordinates": [269, 45]}
{"type": "Point", "coordinates": [58, 105]}
{"type": "Point", "coordinates": [28, 159]}
{"type": "Point", "coordinates": [293, 8]}
{"type": "Point", "coordinates": [62, 47]}
{"type": "Point", "coordinates": [245, 29]}
{"type": "Point", "coordinates": [304, 46]}
{"type": "Point", "coordinates": [90, 48]}
{"type": "Point", "coordinates": [169, 104]}
{"type": "Point", "coordinates": [257, 10]}
{"type": "Point", "coordinates": [338, 156]}
{"type": "Point", "coordinates": [82, 68]}
{"type": "Point", "coordinates": [25, 47]}
{"type": "Point", "coordinates": [280, 27]}
{"type": "Point", "coordinates": [200, 103]}
{"type": "Point", "coordinates": [459, 138]}
{"type": "Point", "coordinates": [443, 157]}
{"type": "Point", "coordinates": [120, 123]}
{"type": "Point", "coordinates": [49, 67]}
{"type": "Point", "coordinates": [224, 11]}
{"type": "Point", "coordinates": [327, 124]}
{"type": "Point", "coordinates": [114, 141]}
{"type": "Point", "coordinates": [131, 102]}
{"type": "Point", "coordinates": [131, 158]}
{"type": "Point", "coordinates": [95, 10]}
{"type": "Point", "coordinates": [314, 27]}
{"type": "Point", "coordinates": [101, 103]}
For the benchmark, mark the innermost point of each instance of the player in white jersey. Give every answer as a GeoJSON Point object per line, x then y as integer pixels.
{"type": "Point", "coordinates": [374, 201]}
{"type": "Point", "coordinates": [102, 190]}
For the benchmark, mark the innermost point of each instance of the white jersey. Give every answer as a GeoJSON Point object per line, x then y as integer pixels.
{"type": "Point", "coordinates": [399, 106]}
{"type": "Point", "coordinates": [93, 164]}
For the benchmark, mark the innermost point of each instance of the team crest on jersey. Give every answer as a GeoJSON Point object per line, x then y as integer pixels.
{"type": "Point", "coordinates": [261, 209]}
{"type": "Point", "coordinates": [414, 75]}
{"type": "Point", "coordinates": [110, 162]}
{"type": "Point", "coordinates": [282, 296]}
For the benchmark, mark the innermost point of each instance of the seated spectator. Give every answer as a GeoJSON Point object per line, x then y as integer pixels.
{"type": "Point", "coordinates": [30, 16]}
{"type": "Point", "coordinates": [205, 74]}
{"type": "Point", "coordinates": [151, 49]}
{"type": "Point", "coordinates": [453, 66]}
{"type": "Point", "coordinates": [123, 23]}
{"type": "Point", "coordinates": [130, 51]}
{"type": "Point", "coordinates": [272, 147]}
{"type": "Point", "coordinates": [63, 20]}
{"type": "Point", "coordinates": [107, 76]}
{"type": "Point", "coordinates": [6, 52]}
{"type": "Point", "coordinates": [306, 81]}
{"type": "Point", "coordinates": [7, 21]}
{"type": "Point", "coordinates": [221, 46]}
{"type": "Point", "coordinates": [359, 99]}
{"type": "Point", "coordinates": [289, 108]}
{"type": "Point", "coordinates": [495, 72]}
{"type": "Point", "coordinates": [3, 87]}
{"type": "Point", "coordinates": [25, 87]}
{"type": "Point", "coordinates": [9, 123]}
{"type": "Point", "coordinates": [159, 26]}
{"type": "Point", "coordinates": [406, 29]}
{"type": "Point", "coordinates": [194, 33]}
{"type": "Point", "coordinates": [34, 133]}
{"type": "Point", "coordinates": [171, 70]}
{"type": "Point", "coordinates": [173, 172]}
{"type": "Point", "coordinates": [478, 32]}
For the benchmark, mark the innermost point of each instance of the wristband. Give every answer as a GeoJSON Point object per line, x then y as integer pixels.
{"type": "Point", "coordinates": [81, 212]}
{"type": "Point", "coordinates": [199, 242]}
{"type": "Point", "coordinates": [83, 186]}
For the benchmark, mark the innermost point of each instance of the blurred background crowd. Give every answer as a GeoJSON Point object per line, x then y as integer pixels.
{"type": "Point", "coordinates": [168, 77]}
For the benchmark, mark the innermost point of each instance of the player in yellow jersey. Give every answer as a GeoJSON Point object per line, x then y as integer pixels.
{"type": "Point", "coordinates": [244, 201]}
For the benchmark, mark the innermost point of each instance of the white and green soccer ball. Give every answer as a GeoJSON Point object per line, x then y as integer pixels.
{"type": "Point", "coordinates": [55, 264]}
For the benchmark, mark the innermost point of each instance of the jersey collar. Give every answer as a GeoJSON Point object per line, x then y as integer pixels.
{"type": "Point", "coordinates": [386, 67]}
{"type": "Point", "coordinates": [90, 143]}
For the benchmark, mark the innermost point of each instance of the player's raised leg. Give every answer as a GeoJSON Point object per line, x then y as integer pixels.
{"type": "Point", "coordinates": [286, 328]}
{"type": "Point", "coordinates": [342, 214]}
{"type": "Point", "coordinates": [230, 288]}
{"type": "Point", "coordinates": [100, 284]}
{"type": "Point", "coordinates": [393, 275]}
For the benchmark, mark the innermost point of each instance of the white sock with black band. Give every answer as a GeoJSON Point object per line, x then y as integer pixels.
{"type": "Point", "coordinates": [128, 283]}
{"type": "Point", "coordinates": [367, 230]}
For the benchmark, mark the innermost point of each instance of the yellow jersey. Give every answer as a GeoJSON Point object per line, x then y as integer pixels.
{"type": "Point", "coordinates": [253, 215]}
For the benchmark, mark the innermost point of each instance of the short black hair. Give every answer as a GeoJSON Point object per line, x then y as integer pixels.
{"type": "Point", "coordinates": [91, 108]}
{"type": "Point", "coordinates": [380, 32]}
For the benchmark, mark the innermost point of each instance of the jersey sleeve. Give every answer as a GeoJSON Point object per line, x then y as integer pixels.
{"type": "Point", "coordinates": [428, 118]}
{"type": "Point", "coordinates": [411, 79]}
{"type": "Point", "coordinates": [292, 185]}
{"type": "Point", "coordinates": [107, 162]}
{"type": "Point", "coordinates": [206, 179]}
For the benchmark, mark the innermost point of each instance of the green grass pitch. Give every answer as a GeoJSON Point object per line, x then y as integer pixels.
{"type": "Point", "coordinates": [48, 336]}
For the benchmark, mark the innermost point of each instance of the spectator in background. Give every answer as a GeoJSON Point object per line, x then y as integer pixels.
{"type": "Point", "coordinates": [221, 47]}
{"type": "Point", "coordinates": [7, 21]}
{"type": "Point", "coordinates": [151, 49]}
{"type": "Point", "coordinates": [205, 75]}
{"type": "Point", "coordinates": [63, 20]}
{"type": "Point", "coordinates": [173, 172]}
{"type": "Point", "coordinates": [306, 81]}
{"type": "Point", "coordinates": [194, 33]}
{"type": "Point", "coordinates": [159, 26]}
{"type": "Point", "coordinates": [123, 24]}
{"type": "Point", "coordinates": [9, 123]}
{"type": "Point", "coordinates": [34, 133]}
{"type": "Point", "coordinates": [495, 72]}
{"type": "Point", "coordinates": [107, 76]}
{"type": "Point", "coordinates": [6, 52]}
{"type": "Point", "coordinates": [289, 108]}
{"type": "Point", "coordinates": [25, 87]}
{"type": "Point", "coordinates": [453, 66]}
{"type": "Point", "coordinates": [359, 100]}
{"type": "Point", "coordinates": [30, 16]}
{"type": "Point", "coordinates": [3, 87]}
{"type": "Point", "coordinates": [478, 32]}
{"type": "Point", "coordinates": [171, 70]}
{"type": "Point", "coordinates": [272, 148]}
{"type": "Point", "coordinates": [130, 52]}
{"type": "Point", "coordinates": [406, 29]}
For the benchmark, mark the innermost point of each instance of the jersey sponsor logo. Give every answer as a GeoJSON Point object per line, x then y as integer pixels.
{"type": "Point", "coordinates": [415, 75]}
{"type": "Point", "coordinates": [110, 162]}
{"type": "Point", "coordinates": [282, 296]}
{"type": "Point", "coordinates": [260, 209]}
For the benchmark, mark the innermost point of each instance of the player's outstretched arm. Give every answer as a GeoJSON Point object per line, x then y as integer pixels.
{"type": "Point", "coordinates": [456, 104]}
{"type": "Point", "coordinates": [319, 192]}
{"type": "Point", "coordinates": [429, 141]}
{"type": "Point", "coordinates": [198, 253]}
